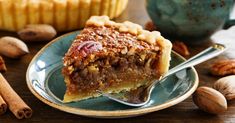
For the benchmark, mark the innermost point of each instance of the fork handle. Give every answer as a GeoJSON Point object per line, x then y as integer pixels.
{"type": "Point", "coordinates": [207, 54]}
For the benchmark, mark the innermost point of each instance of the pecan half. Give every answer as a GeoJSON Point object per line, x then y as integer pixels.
{"type": "Point", "coordinates": [223, 67]}
{"type": "Point", "coordinates": [3, 67]}
{"type": "Point", "coordinates": [150, 26]}
{"type": "Point", "coordinates": [180, 48]}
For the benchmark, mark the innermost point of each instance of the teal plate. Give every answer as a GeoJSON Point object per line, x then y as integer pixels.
{"type": "Point", "coordinates": [46, 82]}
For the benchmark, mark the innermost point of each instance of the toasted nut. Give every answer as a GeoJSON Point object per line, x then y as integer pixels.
{"type": "Point", "coordinates": [226, 86]}
{"type": "Point", "coordinates": [37, 32]}
{"type": "Point", "coordinates": [150, 26]}
{"type": "Point", "coordinates": [3, 67]}
{"type": "Point", "coordinates": [12, 47]}
{"type": "Point", "coordinates": [210, 100]}
{"type": "Point", "coordinates": [180, 48]}
{"type": "Point", "coordinates": [223, 67]}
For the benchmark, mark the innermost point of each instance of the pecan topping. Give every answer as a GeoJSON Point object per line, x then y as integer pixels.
{"type": "Point", "coordinates": [89, 47]}
{"type": "Point", "coordinates": [180, 48]}
{"type": "Point", "coordinates": [223, 67]}
{"type": "Point", "coordinates": [2, 65]}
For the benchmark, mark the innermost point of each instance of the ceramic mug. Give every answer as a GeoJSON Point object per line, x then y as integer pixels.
{"type": "Point", "coordinates": [191, 20]}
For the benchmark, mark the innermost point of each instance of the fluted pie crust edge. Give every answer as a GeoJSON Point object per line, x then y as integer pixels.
{"type": "Point", "coordinates": [64, 15]}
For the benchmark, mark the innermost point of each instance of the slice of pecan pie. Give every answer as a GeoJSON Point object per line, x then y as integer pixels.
{"type": "Point", "coordinates": [112, 57]}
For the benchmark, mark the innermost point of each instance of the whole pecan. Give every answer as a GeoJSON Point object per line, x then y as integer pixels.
{"type": "Point", "coordinates": [223, 67]}
{"type": "Point", "coordinates": [150, 26]}
{"type": "Point", "coordinates": [180, 48]}
{"type": "Point", "coordinates": [87, 47]}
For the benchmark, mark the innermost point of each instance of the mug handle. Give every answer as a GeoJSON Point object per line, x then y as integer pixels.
{"type": "Point", "coordinates": [229, 23]}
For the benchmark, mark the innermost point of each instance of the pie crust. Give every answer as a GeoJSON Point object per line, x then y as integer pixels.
{"type": "Point", "coordinates": [64, 15]}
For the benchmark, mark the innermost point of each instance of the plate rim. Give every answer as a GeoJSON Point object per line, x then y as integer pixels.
{"type": "Point", "coordinates": [105, 114]}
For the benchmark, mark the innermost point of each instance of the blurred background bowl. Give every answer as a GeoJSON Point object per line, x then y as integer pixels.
{"type": "Point", "coordinates": [190, 20]}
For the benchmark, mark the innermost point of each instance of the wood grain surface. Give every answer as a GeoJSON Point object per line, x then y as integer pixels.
{"type": "Point", "coordinates": [185, 111]}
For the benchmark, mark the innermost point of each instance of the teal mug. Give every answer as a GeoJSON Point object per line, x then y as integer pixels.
{"type": "Point", "coordinates": [190, 20]}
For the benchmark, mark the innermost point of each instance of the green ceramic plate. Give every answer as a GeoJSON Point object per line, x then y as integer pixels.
{"type": "Point", "coordinates": [45, 81]}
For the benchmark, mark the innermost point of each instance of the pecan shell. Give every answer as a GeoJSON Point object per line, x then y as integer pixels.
{"type": "Point", "coordinates": [3, 67]}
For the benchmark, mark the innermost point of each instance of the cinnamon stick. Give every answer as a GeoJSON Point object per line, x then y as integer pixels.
{"type": "Point", "coordinates": [16, 105]}
{"type": "Point", "coordinates": [3, 106]}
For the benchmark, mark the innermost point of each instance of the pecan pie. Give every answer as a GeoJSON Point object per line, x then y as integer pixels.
{"type": "Point", "coordinates": [112, 57]}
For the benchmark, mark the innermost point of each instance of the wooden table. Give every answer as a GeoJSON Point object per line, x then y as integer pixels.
{"type": "Point", "coordinates": [185, 111]}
